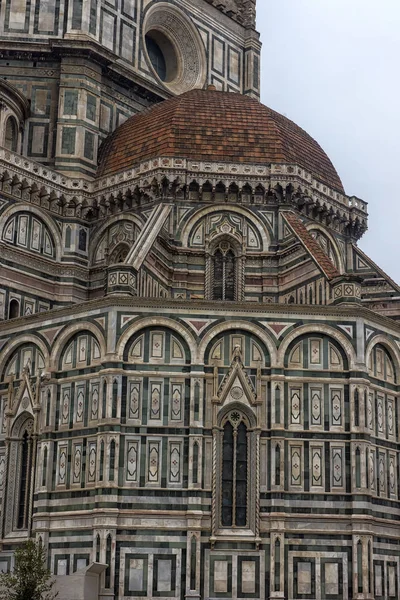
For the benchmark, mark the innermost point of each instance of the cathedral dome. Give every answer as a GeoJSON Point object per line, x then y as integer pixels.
{"type": "Point", "coordinates": [215, 126]}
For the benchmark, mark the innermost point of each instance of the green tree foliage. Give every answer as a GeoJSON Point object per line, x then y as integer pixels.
{"type": "Point", "coordinates": [31, 579]}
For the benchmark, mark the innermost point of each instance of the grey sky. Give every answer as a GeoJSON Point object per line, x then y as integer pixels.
{"type": "Point", "coordinates": [332, 66]}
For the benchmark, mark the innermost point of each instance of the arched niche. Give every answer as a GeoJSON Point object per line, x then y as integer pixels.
{"type": "Point", "coordinates": [26, 355]}
{"type": "Point", "coordinates": [81, 350]}
{"type": "Point", "coordinates": [242, 222]}
{"type": "Point", "coordinates": [157, 345]}
{"type": "Point", "coordinates": [116, 233]}
{"type": "Point", "coordinates": [15, 111]}
{"type": "Point", "coordinates": [29, 232]}
{"type": "Point", "coordinates": [254, 352]}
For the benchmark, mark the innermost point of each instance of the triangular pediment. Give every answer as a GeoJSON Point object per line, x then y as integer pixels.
{"type": "Point", "coordinates": [236, 386]}
{"type": "Point", "coordinates": [24, 399]}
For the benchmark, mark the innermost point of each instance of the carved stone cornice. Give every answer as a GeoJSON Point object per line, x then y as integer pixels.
{"type": "Point", "coordinates": [207, 307]}
{"type": "Point", "coordinates": [170, 179]}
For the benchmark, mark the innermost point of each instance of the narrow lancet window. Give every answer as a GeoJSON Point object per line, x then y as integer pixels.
{"type": "Point", "coordinates": [234, 472]}
{"type": "Point", "coordinates": [224, 273]}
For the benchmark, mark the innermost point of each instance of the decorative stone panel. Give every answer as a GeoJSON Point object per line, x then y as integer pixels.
{"type": "Point", "coordinates": [121, 279]}
{"type": "Point", "coordinates": [346, 289]}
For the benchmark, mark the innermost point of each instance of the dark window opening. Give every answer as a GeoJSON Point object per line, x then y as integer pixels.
{"type": "Point", "coordinates": [224, 275]}
{"type": "Point", "coordinates": [108, 562]}
{"type": "Point", "coordinates": [24, 483]}
{"type": "Point", "coordinates": [234, 475]}
{"type": "Point", "coordinates": [112, 461]}
{"type": "Point", "coordinates": [195, 463]}
{"type": "Point", "coordinates": [114, 399]}
{"type": "Point", "coordinates": [13, 310]}
{"type": "Point", "coordinates": [82, 240]}
{"type": "Point", "coordinates": [356, 408]}
{"type": "Point", "coordinates": [11, 137]}
{"type": "Point", "coordinates": [193, 562]}
{"type": "Point", "coordinates": [98, 548]}
{"type": "Point", "coordinates": [101, 468]}
{"type": "Point", "coordinates": [156, 57]}
{"type": "Point", "coordinates": [44, 472]}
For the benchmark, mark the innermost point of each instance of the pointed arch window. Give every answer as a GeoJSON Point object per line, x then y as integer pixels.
{"type": "Point", "coordinates": [101, 468]}
{"type": "Point", "coordinates": [107, 583]}
{"type": "Point", "coordinates": [11, 137]}
{"type": "Point", "coordinates": [234, 510]}
{"type": "Point", "coordinates": [358, 468]}
{"type": "Point", "coordinates": [97, 548]}
{"type": "Point", "coordinates": [112, 461]}
{"type": "Point", "coordinates": [277, 465]}
{"type": "Point", "coordinates": [224, 275]}
{"type": "Point", "coordinates": [23, 486]}
{"type": "Point", "coordinates": [44, 468]}
{"type": "Point", "coordinates": [114, 399]}
{"type": "Point", "coordinates": [25, 476]}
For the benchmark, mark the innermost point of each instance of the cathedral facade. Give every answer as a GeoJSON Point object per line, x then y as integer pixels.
{"type": "Point", "coordinates": [199, 367]}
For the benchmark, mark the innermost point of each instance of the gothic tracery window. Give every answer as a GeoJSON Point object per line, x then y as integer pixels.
{"type": "Point", "coordinates": [25, 452]}
{"type": "Point", "coordinates": [224, 273]}
{"type": "Point", "coordinates": [234, 471]}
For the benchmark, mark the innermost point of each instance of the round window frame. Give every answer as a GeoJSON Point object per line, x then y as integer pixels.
{"type": "Point", "coordinates": [190, 69]}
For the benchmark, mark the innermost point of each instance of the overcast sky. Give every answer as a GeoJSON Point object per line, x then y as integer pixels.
{"type": "Point", "coordinates": [332, 66]}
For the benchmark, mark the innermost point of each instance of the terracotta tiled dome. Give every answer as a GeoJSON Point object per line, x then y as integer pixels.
{"type": "Point", "coordinates": [218, 126]}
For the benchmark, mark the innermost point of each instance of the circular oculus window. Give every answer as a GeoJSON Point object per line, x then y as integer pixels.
{"type": "Point", "coordinates": [175, 51]}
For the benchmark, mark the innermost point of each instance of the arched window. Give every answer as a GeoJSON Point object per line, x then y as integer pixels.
{"type": "Point", "coordinates": [358, 468]}
{"type": "Point", "coordinates": [195, 462]}
{"type": "Point", "coordinates": [112, 461]}
{"type": "Point", "coordinates": [13, 309]}
{"type": "Point", "coordinates": [193, 562]}
{"type": "Point", "coordinates": [25, 476]}
{"type": "Point", "coordinates": [48, 408]}
{"type": "Point", "coordinates": [11, 136]}
{"type": "Point", "coordinates": [107, 584]}
{"type": "Point", "coordinates": [370, 569]}
{"type": "Point", "coordinates": [82, 239]}
{"type": "Point", "coordinates": [196, 400]}
{"type": "Point", "coordinates": [277, 465]}
{"type": "Point", "coordinates": [101, 467]}
{"type": "Point", "coordinates": [97, 548]}
{"type": "Point", "coordinates": [44, 468]}
{"type": "Point", "coordinates": [114, 399]}
{"type": "Point", "coordinates": [277, 582]}
{"type": "Point", "coordinates": [23, 487]}
{"type": "Point", "coordinates": [359, 568]}
{"type": "Point", "coordinates": [224, 273]}
{"type": "Point", "coordinates": [356, 408]}
{"type": "Point", "coordinates": [277, 404]}
{"type": "Point", "coordinates": [234, 471]}
{"type": "Point", "coordinates": [68, 234]}
{"type": "Point", "coordinates": [104, 413]}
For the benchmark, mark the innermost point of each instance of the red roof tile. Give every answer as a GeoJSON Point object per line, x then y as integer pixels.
{"type": "Point", "coordinates": [220, 126]}
{"type": "Point", "coordinates": [314, 249]}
